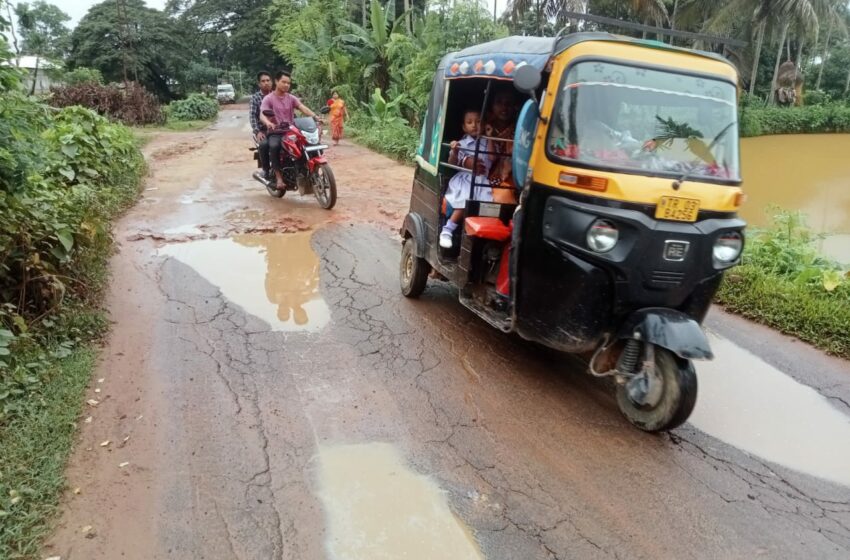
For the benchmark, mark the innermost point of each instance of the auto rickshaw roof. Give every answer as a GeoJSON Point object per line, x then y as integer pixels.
{"type": "Point", "coordinates": [499, 59]}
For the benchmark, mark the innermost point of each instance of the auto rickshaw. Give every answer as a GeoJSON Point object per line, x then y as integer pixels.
{"type": "Point", "coordinates": [621, 216]}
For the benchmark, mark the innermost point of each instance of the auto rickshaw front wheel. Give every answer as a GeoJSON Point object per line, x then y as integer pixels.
{"type": "Point", "coordinates": [674, 399]}
{"type": "Point", "coordinates": [413, 271]}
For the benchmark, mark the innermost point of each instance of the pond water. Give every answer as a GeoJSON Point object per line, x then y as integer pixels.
{"type": "Point", "coordinates": [806, 172]}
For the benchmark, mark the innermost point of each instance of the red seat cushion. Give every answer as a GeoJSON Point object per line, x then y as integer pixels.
{"type": "Point", "coordinates": [487, 228]}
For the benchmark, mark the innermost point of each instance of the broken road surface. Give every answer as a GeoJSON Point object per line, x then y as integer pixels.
{"type": "Point", "coordinates": [269, 394]}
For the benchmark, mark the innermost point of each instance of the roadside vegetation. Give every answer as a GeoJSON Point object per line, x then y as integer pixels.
{"type": "Point", "coordinates": [65, 173]}
{"type": "Point", "coordinates": [196, 107]}
{"type": "Point", "coordinates": [786, 284]}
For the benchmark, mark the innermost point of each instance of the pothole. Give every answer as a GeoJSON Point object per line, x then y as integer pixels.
{"type": "Point", "coordinates": [753, 406]}
{"type": "Point", "coordinates": [274, 277]}
{"type": "Point", "coordinates": [379, 509]}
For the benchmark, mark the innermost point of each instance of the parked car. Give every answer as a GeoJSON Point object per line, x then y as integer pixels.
{"type": "Point", "coordinates": [225, 93]}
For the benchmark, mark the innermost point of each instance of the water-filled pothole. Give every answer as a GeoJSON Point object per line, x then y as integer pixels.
{"type": "Point", "coordinates": [380, 509]}
{"type": "Point", "coordinates": [274, 277]}
{"type": "Point", "coordinates": [755, 407]}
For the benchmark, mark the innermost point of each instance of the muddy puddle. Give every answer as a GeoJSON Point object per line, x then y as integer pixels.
{"type": "Point", "coordinates": [188, 229]}
{"type": "Point", "coordinates": [274, 277]}
{"type": "Point", "coordinates": [200, 194]}
{"type": "Point", "coordinates": [379, 509]}
{"type": "Point", "coordinates": [755, 407]}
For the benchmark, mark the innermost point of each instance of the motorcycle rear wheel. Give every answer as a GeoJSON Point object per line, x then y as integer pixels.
{"type": "Point", "coordinates": [324, 185]}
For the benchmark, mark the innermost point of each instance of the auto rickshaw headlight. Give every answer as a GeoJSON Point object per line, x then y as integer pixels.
{"type": "Point", "coordinates": [602, 236]}
{"type": "Point", "coordinates": [728, 247]}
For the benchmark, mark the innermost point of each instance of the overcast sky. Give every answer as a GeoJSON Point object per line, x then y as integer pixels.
{"type": "Point", "coordinates": [78, 8]}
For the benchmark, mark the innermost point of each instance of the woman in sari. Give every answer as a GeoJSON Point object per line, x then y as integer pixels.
{"type": "Point", "coordinates": [338, 114]}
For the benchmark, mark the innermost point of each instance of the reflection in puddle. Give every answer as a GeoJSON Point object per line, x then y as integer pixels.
{"type": "Point", "coordinates": [274, 277]}
{"type": "Point", "coordinates": [757, 408]}
{"type": "Point", "coordinates": [379, 509]}
{"type": "Point", "coordinates": [200, 193]}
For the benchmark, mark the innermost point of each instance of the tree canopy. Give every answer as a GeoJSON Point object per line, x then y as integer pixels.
{"type": "Point", "coordinates": [140, 44]}
{"type": "Point", "coordinates": [42, 29]}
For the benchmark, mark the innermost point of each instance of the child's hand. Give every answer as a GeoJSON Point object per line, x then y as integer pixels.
{"type": "Point", "coordinates": [453, 145]}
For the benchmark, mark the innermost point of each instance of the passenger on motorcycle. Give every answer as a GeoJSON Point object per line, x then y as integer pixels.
{"type": "Point", "coordinates": [283, 104]}
{"type": "Point", "coordinates": [264, 82]}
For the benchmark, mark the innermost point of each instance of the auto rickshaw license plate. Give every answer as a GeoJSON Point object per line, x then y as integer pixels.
{"type": "Point", "coordinates": [677, 209]}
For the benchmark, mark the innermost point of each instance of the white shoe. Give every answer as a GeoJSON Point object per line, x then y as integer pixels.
{"type": "Point", "coordinates": [445, 239]}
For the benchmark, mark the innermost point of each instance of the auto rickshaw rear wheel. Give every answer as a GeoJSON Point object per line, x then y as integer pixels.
{"type": "Point", "coordinates": [677, 400]}
{"type": "Point", "coordinates": [413, 271]}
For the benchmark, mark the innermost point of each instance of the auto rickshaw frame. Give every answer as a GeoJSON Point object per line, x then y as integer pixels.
{"type": "Point", "coordinates": [562, 294]}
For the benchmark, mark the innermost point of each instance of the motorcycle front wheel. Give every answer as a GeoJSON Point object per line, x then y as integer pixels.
{"type": "Point", "coordinates": [324, 185]}
{"type": "Point", "coordinates": [676, 401]}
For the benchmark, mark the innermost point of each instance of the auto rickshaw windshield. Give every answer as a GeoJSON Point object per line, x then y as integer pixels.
{"type": "Point", "coordinates": [616, 116]}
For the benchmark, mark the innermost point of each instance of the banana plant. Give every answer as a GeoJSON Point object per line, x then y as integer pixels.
{"type": "Point", "coordinates": [383, 111]}
{"type": "Point", "coordinates": [372, 46]}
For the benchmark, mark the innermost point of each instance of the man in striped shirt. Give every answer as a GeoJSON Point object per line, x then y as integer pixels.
{"type": "Point", "coordinates": [264, 81]}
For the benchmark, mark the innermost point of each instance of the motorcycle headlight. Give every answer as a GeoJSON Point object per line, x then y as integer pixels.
{"type": "Point", "coordinates": [312, 137]}
{"type": "Point", "coordinates": [602, 236]}
{"type": "Point", "coordinates": [728, 247]}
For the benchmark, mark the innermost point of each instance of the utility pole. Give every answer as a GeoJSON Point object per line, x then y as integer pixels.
{"type": "Point", "coordinates": [122, 36]}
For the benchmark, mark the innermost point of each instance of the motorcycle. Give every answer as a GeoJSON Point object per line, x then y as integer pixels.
{"type": "Point", "coordinates": [303, 163]}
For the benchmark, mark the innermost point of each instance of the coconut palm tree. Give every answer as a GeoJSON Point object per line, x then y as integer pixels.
{"type": "Point", "coordinates": [837, 17]}
{"type": "Point", "coordinates": [546, 9]}
{"type": "Point", "coordinates": [757, 19]}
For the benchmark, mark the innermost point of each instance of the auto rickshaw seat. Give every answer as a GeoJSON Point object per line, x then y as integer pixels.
{"type": "Point", "coordinates": [487, 228]}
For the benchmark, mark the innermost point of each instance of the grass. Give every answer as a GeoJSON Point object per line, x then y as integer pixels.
{"type": "Point", "coordinates": [145, 134]}
{"type": "Point", "coordinates": [785, 283]}
{"type": "Point", "coordinates": [815, 316]}
{"type": "Point", "coordinates": [36, 445]}
{"type": "Point", "coordinates": [395, 139]}
{"type": "Point", "coordinates": [182, 126]}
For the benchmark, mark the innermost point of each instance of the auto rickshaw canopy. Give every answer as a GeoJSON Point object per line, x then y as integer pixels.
{"type": "Point", "coordinates": [500, 58]}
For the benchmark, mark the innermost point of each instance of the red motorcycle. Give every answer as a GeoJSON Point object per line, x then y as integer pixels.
{"type": "Point", "coordinates": [303, 164]}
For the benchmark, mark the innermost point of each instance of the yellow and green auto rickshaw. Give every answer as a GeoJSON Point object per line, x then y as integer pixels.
{"type": "Point", "coordinates": [611, 230]}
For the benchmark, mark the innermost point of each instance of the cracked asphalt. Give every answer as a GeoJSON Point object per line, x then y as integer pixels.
{"type": "Point", "coordinates": [226, 415]}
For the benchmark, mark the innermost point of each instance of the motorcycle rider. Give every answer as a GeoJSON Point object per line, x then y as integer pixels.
{"type": "Point", "coordinates": [283, 104]}
{"type": "Point", "coordinates": [264, 82]}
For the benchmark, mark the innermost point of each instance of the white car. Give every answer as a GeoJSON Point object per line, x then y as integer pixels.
{"type": "Point", "coordinates": [225, 93]}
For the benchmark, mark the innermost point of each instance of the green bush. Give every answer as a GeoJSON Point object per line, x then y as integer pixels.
{"type": "Point", "coordinates": [55, 210]}
{"type": "Point", "coordinates": [786, 284]}
{"type": "Point", "coordinates": [816, 97]}
{"type": "Point", "coordinates": [394, 138]}
{"type": "Point", "coordinates": [83, 75]}
{"type": "Point", "coordinates": [64, 174]}
{"type": "Point", "coordinates": [196, 107]}
{"type": "Point", "coordinates": [833, 117]}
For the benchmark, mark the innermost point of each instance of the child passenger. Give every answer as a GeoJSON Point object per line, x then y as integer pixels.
{"type": "Point", "coordinates": [463, 154]}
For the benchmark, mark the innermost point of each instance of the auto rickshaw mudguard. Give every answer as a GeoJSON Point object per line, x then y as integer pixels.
{"type": "Point", "coordinates": [414, 226]}
{"type": "Point", "coordinates": [668, 329]}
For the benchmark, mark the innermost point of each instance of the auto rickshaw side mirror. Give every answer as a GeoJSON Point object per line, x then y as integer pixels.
{"type": "Point", "coordinates": [527, 79]}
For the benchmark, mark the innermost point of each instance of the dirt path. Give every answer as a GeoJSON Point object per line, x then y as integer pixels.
{"type": "Point", "coordinates": [267, 393]}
